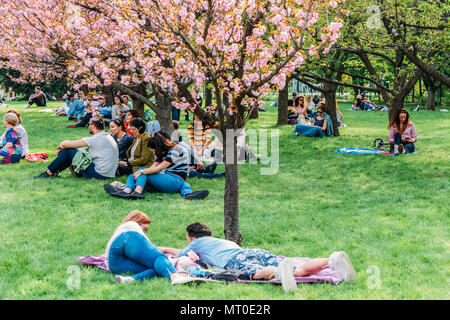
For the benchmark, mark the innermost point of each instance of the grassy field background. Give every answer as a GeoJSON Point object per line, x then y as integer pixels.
{"type": "Point", "coordinates": [390, 214]}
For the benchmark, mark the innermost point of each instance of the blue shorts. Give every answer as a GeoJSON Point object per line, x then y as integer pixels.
{"type": "Point", "coordinates": [251, 261]}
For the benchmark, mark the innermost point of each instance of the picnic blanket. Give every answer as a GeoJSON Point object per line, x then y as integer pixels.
{"type": "Point", "coordinates": [183, 264]}
{"type": "Point", "coordinates": [35, 157]}
{"type": "Point", "coordinates": [379, 152]}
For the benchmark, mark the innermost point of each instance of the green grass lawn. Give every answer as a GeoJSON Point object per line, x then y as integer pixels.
{"type": "Point", "coordinates": [390, 214]}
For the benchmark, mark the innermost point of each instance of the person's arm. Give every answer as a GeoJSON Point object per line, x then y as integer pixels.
{"type": "Point", "coordinates": [414, 137]}
{"type": "Point", "coordinates": [153, 169]}
{"type": "Point", "coordinates": [324, 127]}
{"type": "Point", "coordinates": [391, 134]}
{"type": "Point", "coordinates": [72, 144]}
{"type": "Point", "coordinates": [171, 251]}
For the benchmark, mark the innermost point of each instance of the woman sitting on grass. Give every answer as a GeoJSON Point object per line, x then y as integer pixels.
{"type": "Point", "coordinates": [22, 131]}
{"type": "Point", "coordinates": [297, 110]}
{"type": "Point", "coordinates": [402, 133]}
{"type": "Point", "coordinates": [320, 121]}
{"type": "Point", "coordinates": [129, 116]}
{"type": "Point", "coordinates": [130, 251]}
{"type": "Point", "coordinates": [11, 146]}
{"type": "Point", "coordinates": [138, 154]}
{"type": "Point", "coordinates": [118, 108]}
{"type": "Point", "coordinates": [167, 175]}
{"type": "Point", "coordinates": [123, 139]}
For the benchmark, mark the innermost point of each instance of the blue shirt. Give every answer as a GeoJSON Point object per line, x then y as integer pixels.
{"type": "Point", "coordinates": [213, 251]}
{"type": "Point", "coordinates": [77, 108]}
{"type": "Point", "coordinates": [153, 127]}
{"type": "Point", "coordinates": [105, 110]}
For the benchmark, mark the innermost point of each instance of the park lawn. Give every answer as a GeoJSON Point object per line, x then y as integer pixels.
{"type": "Point", "coordinates": [390, 214]}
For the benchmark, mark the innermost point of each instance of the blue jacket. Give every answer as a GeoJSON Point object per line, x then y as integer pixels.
{"type": "Point", "coordinates": [77, 108]}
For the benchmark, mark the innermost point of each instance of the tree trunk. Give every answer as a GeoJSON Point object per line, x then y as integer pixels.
{"type": "Point", "coordinates": [431, 104]}
{"type": "Point", "coordinates": [208, 96]}
{"type": "Point", "coordinates": [330, 103]}
{"type": "Point", "coordinates": [397, 103]}
{"type": "Point", "coordinates": [231, 199]}
{"type": "Point", "coordinates": [283, 98]}
{"type": "Point", "coordinates": [163, 112]}
{"type": "Point", "coordinates": [254, 114]}
{"type": "Point", "coordinates": [138, 105]}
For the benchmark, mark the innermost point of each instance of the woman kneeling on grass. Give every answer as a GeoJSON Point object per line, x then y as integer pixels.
{"type": "Point", "coordinates": [130, 251]}
{"type": "Point", "coordinates": [167, 174]}
{"type": "Point", "coordinates": [402, 133]}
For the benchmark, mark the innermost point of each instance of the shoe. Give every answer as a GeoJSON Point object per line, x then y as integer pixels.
{"type": "Point", "coordinates": [45, 175]}
{"type": "Point", "coordinates": [26, 107]}
{"type": "Point", "coordinates": [340, 262]}
{"type": "Point", "coordinates": [285, 274]}
{"type": "Point", "coordinates": [396, 150]}
{"type": "Point", "coordinates": [211, 168]}
{"type": "Point", "coordinates": [122, 279]}
{"type": "Point", "coordinates": [197, 195]}
{"type": "Point", "coordinates": [136, 195]}
{"type": "Point", "coordinates": [73, 126]}
{"type": "Point", "coordinates": [110, 189]}
{"type": "Point", "coordinates": [401, 149]}
{"type": "Point", "coordinates": [181, 278]}
{"type": "Point", "coordinates": [118, 185]}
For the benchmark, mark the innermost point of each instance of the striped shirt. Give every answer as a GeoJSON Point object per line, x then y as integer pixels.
{"type": "Point", "coordinates": [199, 135]}
{"type": "Point", "coordinates": [178, 160]}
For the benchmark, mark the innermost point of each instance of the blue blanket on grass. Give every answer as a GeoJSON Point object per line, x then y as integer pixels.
{"type": "Point", "coordinates": [379, 152]}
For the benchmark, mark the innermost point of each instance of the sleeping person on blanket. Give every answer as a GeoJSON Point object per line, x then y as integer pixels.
{"type": "Point", "coordinates": [256, 263]}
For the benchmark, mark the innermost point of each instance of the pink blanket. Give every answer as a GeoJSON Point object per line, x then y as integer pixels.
{"type": "Point", "coordinates": [328, 274]}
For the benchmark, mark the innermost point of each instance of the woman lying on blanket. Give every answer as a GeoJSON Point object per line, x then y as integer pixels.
{"type": "Point", "coordinates": [402, 133]}
{"type": "Point", "coordinates": [256, 263]}
{"type": "Point", "coordinates": [130, 251]}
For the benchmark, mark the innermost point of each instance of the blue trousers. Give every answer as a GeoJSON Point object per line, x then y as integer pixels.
{"type": "Point", "coordinates": [131, 252]}
{"type": "Point", "coordinates": [409, 147]}
{"type": "Point", "coordinates": [160, 182]}
{"type": "Point", "coordinates": [64, 160]}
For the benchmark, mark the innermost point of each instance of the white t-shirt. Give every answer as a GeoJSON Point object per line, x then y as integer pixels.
{"type": "Point", "coordinates": [126, 227]}
{"type": "Point", "coordinates": [133, 149]}
{"type": "Point", "coordinates": [104, 153]}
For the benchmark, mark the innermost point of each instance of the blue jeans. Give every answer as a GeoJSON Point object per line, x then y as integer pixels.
{"type": "Point", "coordinates": [409, 147]}
{"type": "Point", "coordinates": [132, 253]}
{"type": "Point", "coordinates": [160, 182]}
{"type": "Point", "coordinates": [64, 160]}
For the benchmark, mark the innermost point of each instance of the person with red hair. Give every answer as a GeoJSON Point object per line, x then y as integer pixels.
{"type": "Point", "coordinates": [402, 133]}
{"type": "Point", "coordinates": [130, 251]}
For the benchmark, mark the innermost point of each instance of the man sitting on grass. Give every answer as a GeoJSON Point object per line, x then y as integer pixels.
{"type": "Point", "coordinates": [256, 263]}
{"type": "Point", "coordinates": [103, 152]}
{"type": "Point", "coordinates": [39, 98]}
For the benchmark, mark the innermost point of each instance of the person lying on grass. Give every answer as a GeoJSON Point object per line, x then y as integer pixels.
{"type": "Point", "coordinates": [167, 174]}
{"type": "Point", "coordinates": [256, 263]}
{"type": "Point", "coordinates": [103, 152]}
{"type": "Point", "coordinates": [10, 143]}
{"type": "Point", "coordinates": [402, 133]}
{"type": "Point", "coordinates": [129, 251]}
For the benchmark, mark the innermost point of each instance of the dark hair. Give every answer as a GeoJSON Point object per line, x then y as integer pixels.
{"type": "Point", "coordinates": [134, 113]}
{"type": "Point", "coordinates": [119, 123]}
{"type": "Point", "coordinates": [198, 230]}
{"type": "Point", "coordinates": [161, 143]}
{"type": "Point", "coordinates": [120, 98]}
{"type": "Point", "coordinates": [71, 95]}
{"type": "Point", "coordinates": [139, 124]}
{"type": "Point", "coordinates": [297, 100]}
{"type": "Point", "coordinates": [175, 125]}
{"type": "Point", "coordinates": [396, 120]}
{"type": "Point", "coordinates": [39, 88]}
{"type": "Point", "coordinates": [99, 124]}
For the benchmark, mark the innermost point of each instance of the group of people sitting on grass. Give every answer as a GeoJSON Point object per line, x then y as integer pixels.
{"type": "Point", "coordinates": [364, 104]}
{"type": "Point", "coordinates": [129, 251]}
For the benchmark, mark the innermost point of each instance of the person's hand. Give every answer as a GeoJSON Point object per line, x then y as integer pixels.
{"type": "Point", "coordinates": [200, 166]}
{"type": "Point", "coordinates": [123, 163]}
{"type": "Point", "coordinates": [58, 150]}
{"type": "Point", "coordinates": [137, 174]}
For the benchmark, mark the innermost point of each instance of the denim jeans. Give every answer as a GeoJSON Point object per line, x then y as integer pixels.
{"type": "Point", "coordinates": [409, 147]}
{"type": "Point", "coordinates": [64, 160]}
{"type": "Point", "coordinates": [160, 182]}
{"type": "Point", "coordinates": [133, 253]}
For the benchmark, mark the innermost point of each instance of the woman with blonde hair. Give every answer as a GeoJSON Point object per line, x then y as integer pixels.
{"type": "Point", "coordinates": [22, 131]}
{"type": "Point", "coordinates": [130, 251]}
{"type": "Point", "coordinates": [10, 143]}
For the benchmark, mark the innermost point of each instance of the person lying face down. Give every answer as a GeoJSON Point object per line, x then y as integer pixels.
{"type": "Point", "coordinates": [256, 263]}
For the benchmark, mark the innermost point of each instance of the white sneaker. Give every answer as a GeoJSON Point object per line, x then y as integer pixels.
{"type": "Point", "coordinates": [180, 278]}
{"type": "Point", "coordinates": [118, 184]}
{"type": "Point", "coordinates": [285, 274]}
{"type": "Point", "coordinates": [122, 279]}
{"type": "Point", "coordinates": [26, 107]}
{"type": "Point", "coordinates": [340, 262]}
